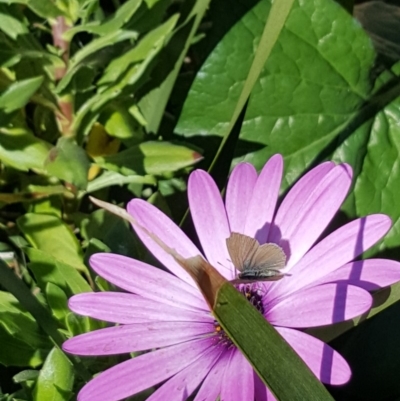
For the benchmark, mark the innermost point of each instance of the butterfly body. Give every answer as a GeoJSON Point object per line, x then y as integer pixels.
{"type": "Point", "coordinates": [255, 262]}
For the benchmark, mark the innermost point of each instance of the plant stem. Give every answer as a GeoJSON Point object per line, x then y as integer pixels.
{"type": "Point", "coordinates": [65, 114]}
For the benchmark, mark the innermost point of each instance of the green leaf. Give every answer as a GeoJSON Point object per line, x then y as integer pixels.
{"type": "Point", "coordinates": [122, 16]}
{"type": "Point", "coordinates": [119, 122]}
{"type": "Point", "coordinates": [10, 23]}
{"type": "Point", "coordinates": [42, 9]}
{"type": "Point", "coordinates": [110, 178]}
{"type": "Point", "coordinates": [275, 361]}
{"type": "Point", "coordinates": [150, 158]}
{"type": "Point", "coordinates": [154, 102]}
{"type": "Point", "coordinates": [19, 331]}
{"type": "Point", "coordinates": [25, 375]}
{"type": "Point", "coordinates": [57, 300]}
{"type": "Point", "coordinates": [77, 324]}
{"type": "Point", "coordinates": [146, 47]}
{"type": "Point", "coordinates": [56, 378]}
{"type": "Point", "coordinates": [316, 77]}
{"type": "Point", "coordinates": [20, 149]}
{"type": "Point", "coordinates": [18, 94]}
{"type": "Point", "coordinates": [81, 56]}
{"type": "Point", "coordinates": [53, 237]}
{"type": "Point", "coordinates": [373, 151]}
{"type": "Point", "coordinates": [139, 63]}
{"type": "Point", "coordinates": [376, 189]}
{"type": "Point", "coordinates": [112, 231]}
{"type": "Point", "coordinates": [69, 162]}
{"type": "Point", "coordinates": [37, 192]}
{"type": "Point", "coordinates": [41, 315]}
{"type": "Point", "coordinates": [27, 355]}
{"type": "Point", "coordinates": [47, 269]}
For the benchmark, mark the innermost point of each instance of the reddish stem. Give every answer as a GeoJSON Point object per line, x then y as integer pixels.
{"type": "Point", "coordinates": [66, 110]}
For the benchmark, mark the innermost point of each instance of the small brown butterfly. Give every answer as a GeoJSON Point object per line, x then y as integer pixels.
{"type": "Point", "coordinates": [255, 262]}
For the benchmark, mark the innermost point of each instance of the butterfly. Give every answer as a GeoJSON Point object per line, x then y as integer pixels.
{"type": "Point", "coordinates": [255, 262]}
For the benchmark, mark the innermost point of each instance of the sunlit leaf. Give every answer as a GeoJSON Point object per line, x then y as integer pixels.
{"type": "Point", "coordinates": [56, 378]}
{"type": "Point", "coordinates": [47, 269]}
{"type": "Point", "coordinates": [315, 79]}
{"type": "Point", "coordinates": [20, 149]}
{"type": "Point", "coordinates": [150, 158]}
{"type": "Point", "coordinates": [53, 237]}
{"type": "Point", "coordinates": [18, 93]}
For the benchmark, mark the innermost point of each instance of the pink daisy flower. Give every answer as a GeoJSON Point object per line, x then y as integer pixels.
{"type": "Point", "coordinates": [166, 314]}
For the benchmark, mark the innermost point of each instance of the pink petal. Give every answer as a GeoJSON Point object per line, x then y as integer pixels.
{"type": "Point", "coordinates": [184, 383]}
{"type": "Point", "coordinates": [148, 281]}
{"type": "Point", "coordinates": [327, 364]}
{"type": "Point", "coordinates": [135, 337]}
{"type": "Point", "coordinates": [319, 306]}
{"type": "Point", "coordinates": [370, 274]}
{"type": "Point", "coordinates": [118, 307]}
{"type": "Point", "coordinates": [117, 383]}
{"type": "Point", "coordinates": [296, 229]}
{"type": "Point", "coordinates": [337, 249]}
{"type": "Point", "coordinates": [261, 391]}
{"type": "Point", "coordinates": [161, 225]}
{"type": "Point", "coordinates": [297, 195]}
{"type": "Point", "coordinates": [263, 202]}
{"type": "Point", "coordinates": [209, 217]}
{"type": "Point", "coordinates": [238, 383]}
{"type": "Point", "coordinates": [239, 192]}
{"type": "Point", "coordinates": [211, 387]}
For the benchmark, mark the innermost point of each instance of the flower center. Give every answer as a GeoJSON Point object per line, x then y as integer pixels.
{"type": "Point", "coordinates": [254, 296]}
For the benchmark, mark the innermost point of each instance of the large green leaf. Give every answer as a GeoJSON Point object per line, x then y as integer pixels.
{"type": "Point", "coordinates": [377, 187]}
{"type": "Point", "coordinates": [317, 76]}
{"type": "Point", "coordinates": [150, 158]}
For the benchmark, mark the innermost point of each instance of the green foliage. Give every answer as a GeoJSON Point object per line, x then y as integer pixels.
{"type": "Point", "coordinates": [20, 331]}
{"type": "Point", "coordinates": [56, 378]}
{"type": "Point", "coordinates": [315, 80]}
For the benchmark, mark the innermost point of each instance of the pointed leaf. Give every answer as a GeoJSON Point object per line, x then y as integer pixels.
{"type": "Point", "coordinates": [17, 95]}
{"type": "Point", "coordinates": [150, 158]}
{"type": "Point", "coordinates": [53, 237]}
{"type": "Point", "coordinates": [56, 378]}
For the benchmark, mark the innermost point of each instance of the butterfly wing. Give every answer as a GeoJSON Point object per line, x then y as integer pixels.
{"type": "Point", "coordinates": [269, 256]}
{"type": "Point", "coordinates": [241, 249]}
